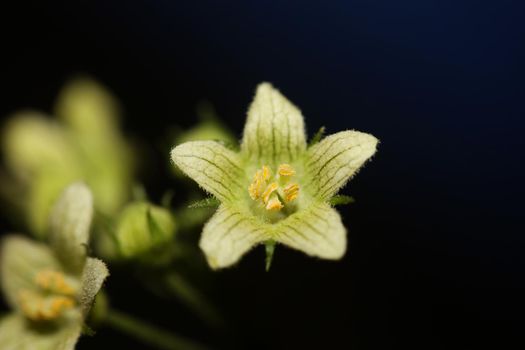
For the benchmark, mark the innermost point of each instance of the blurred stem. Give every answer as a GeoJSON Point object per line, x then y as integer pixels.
{"type": "Point", "coordinates": [148, 334]}
{"type": "Point", "coordinates": [193, 298]}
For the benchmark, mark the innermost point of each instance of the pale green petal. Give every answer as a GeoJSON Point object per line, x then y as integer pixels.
{"type": "Point", "coordinates": [91, 113]}
{"type": "Point", "coordinates": [108, 170]}
{"type": "Point", "coordinates": [214, 167]}
{"type": "Point", "coordinates": [93, 276]}
{"type": "Point", "coordinates": [44, 190]}
{"type": "Point", "coordinates": [316, 231]}
{"type": "Point", "coordinates": [88, 108]}
{"type": "Point", "coordinates": [229, 234]}
{"type": "Point", "coordinates": [70, 224]}
{"type": "Point", "coordinates": [20, 259]}
{"type": "Point", "coordinates": [142, 226]}
{"type": "Point", "coordinates": [16, 333]}
{"type": "Point", "coordinates": [274, 131]}
{"type": "Point", "coordinates": [333, 161]}
{"type": "Point", "coordinates": [31, 142]}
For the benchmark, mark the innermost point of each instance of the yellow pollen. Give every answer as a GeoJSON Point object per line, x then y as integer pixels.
{"type": "Point", "coordinates": [291, 192]}
{"type": "Point", "coordinates": [274, 204]}
{"type": "Point", "coordinates": [257, 186]}
{"type": "Point", "coordinates": [286, 170]}
{"type": "Point", "coordinates": [266, 173]}
{"type": "Point", "coordinates": [269, 190]}
{"type": "Point", "coordinates": [37, 307]}
{"type": "Point", "coordinates": [55, 282]}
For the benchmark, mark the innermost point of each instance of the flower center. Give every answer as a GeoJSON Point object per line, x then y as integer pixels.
{"type": "Point", "coordinates": [54, 296]}
{"type": "Point", "coordinates": [274, 192]}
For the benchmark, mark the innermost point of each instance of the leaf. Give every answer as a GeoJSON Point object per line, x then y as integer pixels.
{"type": "Point", "coordinates": [210, 202]}
{"type": "Point", "coordinates": [341, 199]}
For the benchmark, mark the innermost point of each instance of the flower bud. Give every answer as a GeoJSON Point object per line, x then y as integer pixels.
{"type": "Point", "coordinates": [142, 226]}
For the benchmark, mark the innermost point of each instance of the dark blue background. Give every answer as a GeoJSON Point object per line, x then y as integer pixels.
{"type": "Point", "coordinates": [436, 238]}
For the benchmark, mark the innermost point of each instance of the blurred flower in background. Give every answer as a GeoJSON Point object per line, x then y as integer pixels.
{"type": "Point", "coordinates": [51, 287]}
{"type": "Point", "coordinates": [84, 142]}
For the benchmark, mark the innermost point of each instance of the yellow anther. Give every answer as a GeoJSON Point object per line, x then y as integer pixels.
{"type": "Point", "coordinates": [56, 305]}
{"type": "Point", "coordinates": [291, 192]}
{"type": "Point", "coordinates": [271, 193]}
{"type": "Point", "coordinates": [37, 307]}
{"type": "Point", "coordinates": [55, 282]}
{"type": "Point", "coordinates": [274, 204]}
{"type": "Point", "coordinates": [266, 173]}
{"type": "Point", "coordinates": [286, 170]}
{"type": "Point", "coordinates": [269, 190]}
{"type": "Point", "coordinates": [258, 185]}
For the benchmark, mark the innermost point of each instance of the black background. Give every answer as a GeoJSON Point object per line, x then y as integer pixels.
{"type": "Point", "coordinates": [435, 239]}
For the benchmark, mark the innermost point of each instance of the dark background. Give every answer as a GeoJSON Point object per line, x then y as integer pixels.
{"type": "Point", "coordinates": [435, 239]}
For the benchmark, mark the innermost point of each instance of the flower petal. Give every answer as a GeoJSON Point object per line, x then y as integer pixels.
{"type": "Point", "coordinates": [20, 260]}
{"type": "Point", "coordinates": [32, 142]}
{"type": "Point", "coordinates": [88, 108]}
{"type": "Point", "coordinates": [213, 166]}
{"type": "Point", "coordinates": [333, 161]}
{"type": "Point", "coordinates": [94, 274]}
{"type": "Point", "coordinates": [44, 190]}
{"type": "Point", "coordinates": [316, 231]}
{"type": "Point", "coordinates": [70, 224]}
{"type": "Point", "coordinates": [228, 235]}
{"type": "Point", "coordinates": [18, 334]}
{"type": "Point", "coordinates": [274, 130]}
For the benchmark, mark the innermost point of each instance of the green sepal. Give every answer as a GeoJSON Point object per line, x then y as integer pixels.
{"type": "Point", "coordinates": [269, 248]}
{"type": "Point", "coordinates": [340, 199]}
{"type": "Point", "coordinates": [318, 136]}
{"type": "Point", "coordinates": [142, 226]}
{"type": "Point", "coordinates": [209, 202]}
{"type": "Point", "coordinates": [93, 277]}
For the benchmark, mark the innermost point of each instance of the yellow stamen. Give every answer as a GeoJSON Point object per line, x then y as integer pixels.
{"type": "Point", "coordinates": [57, 305]}
{"type": "Point", "coordinates": [266, 173]}
{"type": "Point", "coordinates": [286, 170]}
{"type": "Point", "coordinates": [55, 282]}
{"type": "Point", "coordinates": [269, 190]}
{"type": "Point", "coordinates": [258, 185]}
{"type": "Point", "coordinates": [262, 190]}
{"type": "Point", "coordinates": [38, 308]}
{"type": "Point", "coordinates": [291, 192]}
{"type": "Point", "coordinates": [274, 204]}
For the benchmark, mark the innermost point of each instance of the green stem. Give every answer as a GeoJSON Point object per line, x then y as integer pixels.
{"type": "Point", "coordinates": [153, 336]}
{"type": "Point", "coordinates": [193, 298]}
